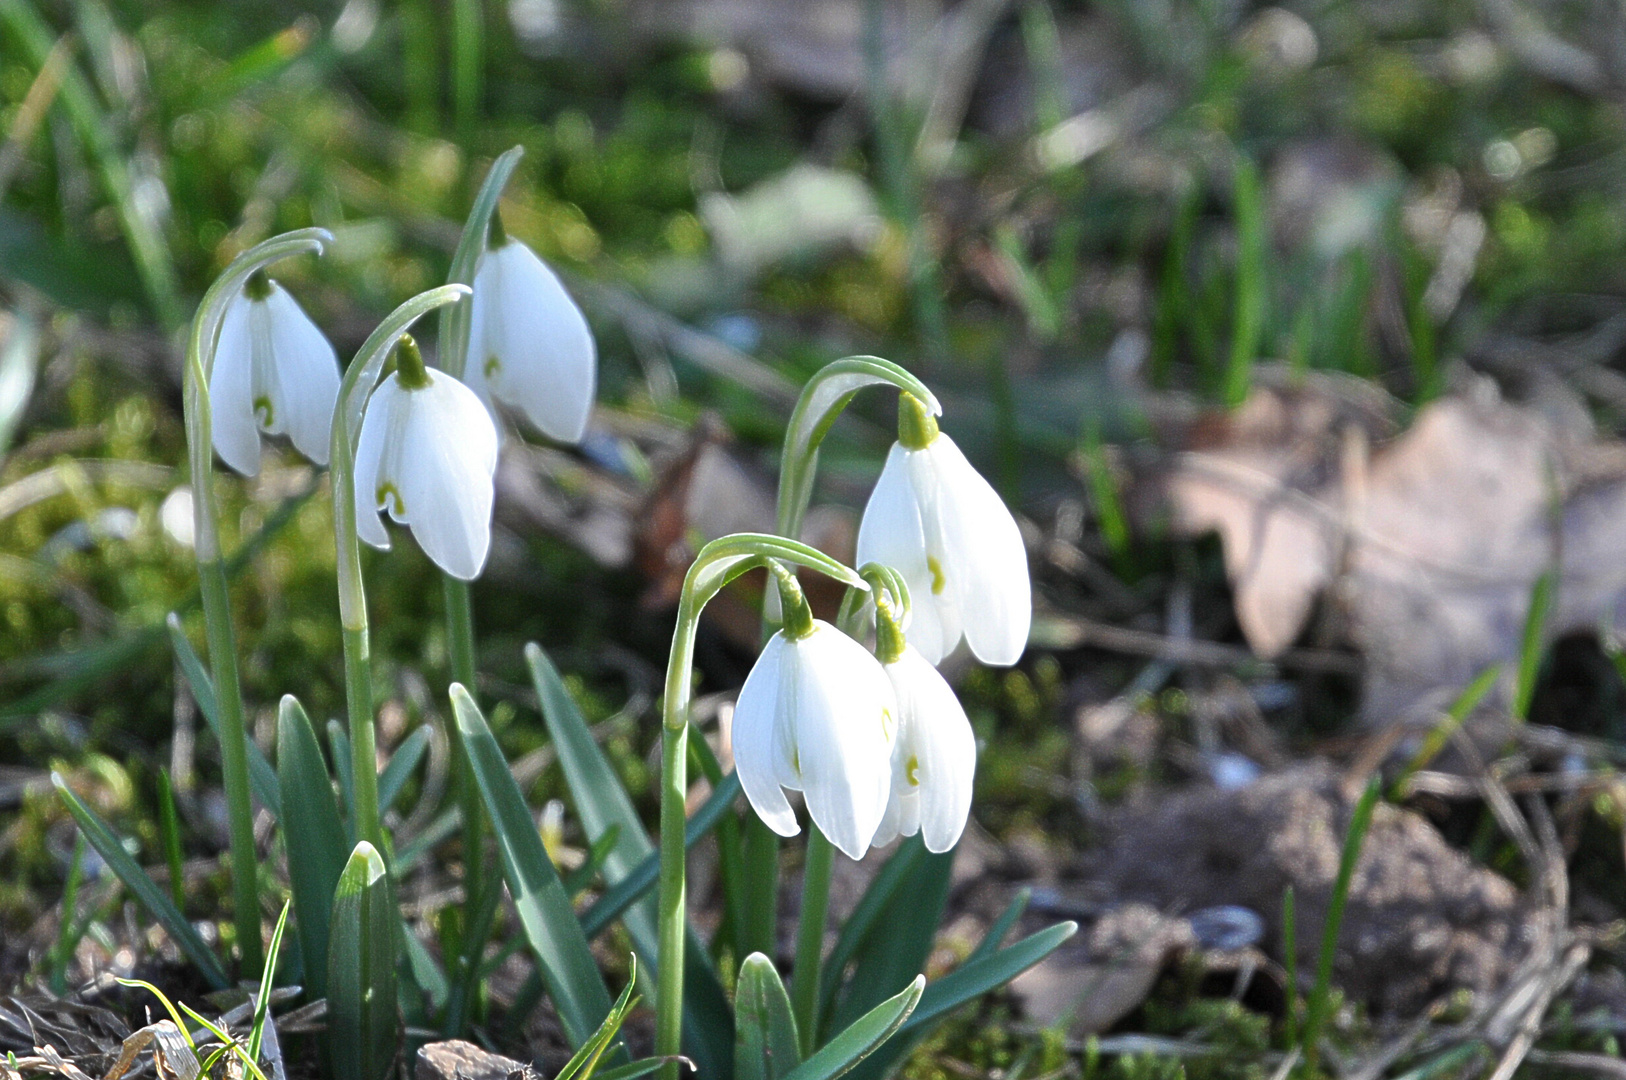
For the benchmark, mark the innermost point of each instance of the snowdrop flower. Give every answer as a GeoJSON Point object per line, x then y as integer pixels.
{"type": "Point", "coordinates": [934, 757]}
{"type": "Point", "coordinates": [427, 453]}
{"type": "Point", "coordinates": [816, 715]}
{"type": "Point", "coordinates": [529, 344]}
{"type": "Point", "coordinates": [273, 372]}
{"type": "Point", "coordinates": [934, 518]}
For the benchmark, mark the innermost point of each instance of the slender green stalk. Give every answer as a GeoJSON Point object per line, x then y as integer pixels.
{"type": "Point", "coordinates": [1360, 821]}
{"type": "Point", "coordinates": [358, 700]}
{"type": "Point", "coordinates": [233, 758]}
{"type": "Point", "coordinates": [358, 383]}
{"type": "Point", "coordinates": [200, 356]}
{"type": "Point", "coordinates": [718, 563]}
{"type": "Point", "coordinates": [460, 637]}
{"type": "Point", "coordinates": [454, 349]}
{"type": "Point", "coordinates": [804, 990]}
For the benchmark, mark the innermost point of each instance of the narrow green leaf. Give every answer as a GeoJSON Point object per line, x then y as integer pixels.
{"type": "Point", "coordinates": [422, 966]}
{"type": "Point", "coordinates": [585, 1060]}
{"type": "Point", "coordinates": [1531, 646]}
{"type": "Point", "coordinates": [642, 1067]}
{"type": "Point", "coordinates": [362, 1016]}
{"type": "Point", "coordinates": [338, 742]}
{"type": "Point", "coordinates": [313, 835]}
{"type": "Point", "coordinates": [549, 922]}
{"type": "Point", "coordinates": [261, 776]}
{"type": "Point", "coordinates": [401, 766]}
{"type": "Point", "coordinates": [579, 879]}
{"type": "Point", "coordinates": [262, 1001]}
{"type": "Point", "coordinates": [609, 906]}
{"type": "Point", "coordinates": [899, 947]}
{"type": "Point", "coordinates": [860, 1039]}
{"type": "Point", "coordinates": [169, 827]}
{"type": "Point", "coordinates": [896, 870]}
{"type": "Point", "coordinates": [1002, 925]}
{"type": "Point", "coordinates": [1441, 733]}
{"type": "Point", "coordinates": [766, 1043]}
{"type": "Point", "coordinates": [107, 845]}
{"type": "Point", "coordinates": [974, 978]}
{"type": "Point", "coordinates": [603, 803]}
{"type": "Point", "coordinates": [1360, 820]}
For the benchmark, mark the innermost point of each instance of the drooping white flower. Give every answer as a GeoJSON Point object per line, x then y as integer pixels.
{"type": "Point", "coordinates": [274, 371]}
{"type": "Point", "coordinates": [529, 344]}
{"type": "Point", "coordinates": [934, 758]}
{"type": "Point", "coordinates": [427, 453]}
{"type": "Point", "coordinates": [817, 715]}
{"type": "Point", "coordinates": [938, 522]}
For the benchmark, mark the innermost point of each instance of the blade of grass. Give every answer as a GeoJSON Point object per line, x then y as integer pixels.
{"type": "Point", "coordinates": [66, 939]}
{"type": "Point", "coordinates": [1440, 733]}
{"type": "Point", "coordinates": [157, 903]}
{"type": "Point", "coordinates": [262, 1002]}
{"type": "Point", "coordinates": [1531, 644]}
{"type": "Point", "coordinates": [1321, 996]}
{"type": "Point", "coordinates": [1248, 321]}
{"type": "Point", "coordinates": [94, 130]}
{"type": "Point", "coordinates": [169, 827]}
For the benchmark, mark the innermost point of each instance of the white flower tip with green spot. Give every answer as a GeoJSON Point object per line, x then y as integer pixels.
{"type": "Point", "coordinates": [934, 518]}
{"type": "Point", "coordinates": [934, 759]}
{"type": "Point", "coordinates": [529, 344]}
{"type": "Point", "coordinates": [274, 371]}
{"type": "Point", "coordinates": [429, 457]}
{"type": "Point", "coordinates": [817, 715]}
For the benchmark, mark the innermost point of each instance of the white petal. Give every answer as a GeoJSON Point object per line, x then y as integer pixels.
{"type": "Point", "coordinates": [303, 382]}
{"type": "Point", "coordinates": [535, 349]}
{"type": "Point", "coordinates": [937, 752]}
{"type": "Point", "coordinates": [382, 413]}
{"type": "Point", "coordinates": [231, 391]}
{"type": "Point", "coordinates": [893, 533]}
{"type": "Point", "coordinates": [756, 716]}
{"type": "Point", "coordinates": [448, 460]}
{"type": "Point", "coordinates": [902, 818]}
{"type": "Point", "coordinates": [988, 563]}
{"type": "Point", "coordinates": [846, 718]}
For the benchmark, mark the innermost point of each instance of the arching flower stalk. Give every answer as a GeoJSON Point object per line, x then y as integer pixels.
{"type": "Point", "coordinates": [934, 518]}
{"type": "Point", "coordinates": [354, 392]}
{"type": "Point", "coordinates": [202, 346]}
{"type": "Point", "coordinates": [718, 563]}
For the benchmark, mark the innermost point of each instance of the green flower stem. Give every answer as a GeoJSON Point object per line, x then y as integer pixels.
{"type": "Point", "coordinates": [222, 639]}
{"type": "Point", "coordinates": [827, 393]}
{"type": "Point", "coordinates": [460, 638]}
{"type": "Point", "coordinates": [718, 563]}
{"type": "Point", "coordinates": [804, 989]}
{"type": "Point", "coordinates": [454, 350]}
{"type": "Point", "coordinates": [454, 318]}
{"type": "Point", "coordinates": [359, 380]}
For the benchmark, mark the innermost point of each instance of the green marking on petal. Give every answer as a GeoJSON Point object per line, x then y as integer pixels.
{"type": "Point", "coordinates": [262, 409]}
{"type": "Point", "coordinates": [387, 491]}
{"type": "Point", "coordinates": [886, 724]}
{"type": "Point", "coordinates": [796, 761]}
{"type": "Point", "coordinates": [493, 365]}
{"type": "Point", "coordinates": [911, 770]}
{"type": "Point", "coordinates": [939, 583]}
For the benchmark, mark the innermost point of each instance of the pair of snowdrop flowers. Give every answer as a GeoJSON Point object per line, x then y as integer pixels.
{"type": "Point", "coordinates": [879, 745]}
{"type": "Point", "coordinates": [427, 451]}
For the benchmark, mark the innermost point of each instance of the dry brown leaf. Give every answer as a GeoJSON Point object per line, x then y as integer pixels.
{"type": "Point", "coordinates": [1431, 543]}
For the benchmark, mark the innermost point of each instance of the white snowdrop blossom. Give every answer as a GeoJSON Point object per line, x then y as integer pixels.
{"type": "Point", "coordinates": [529, 344]}
{"type": "Point", "coordinates": [427, 453]}
{"type": "Point", "coordinates": [934, 758]}
{"type": "Point", "coordinates": [274, 371]}
{"type": "Point", "coordinates": [817, 715]}
{"type": "Point", "coordinates": [938, 522]}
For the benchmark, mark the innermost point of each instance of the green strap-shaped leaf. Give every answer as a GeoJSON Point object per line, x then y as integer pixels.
{"type": "Point", "coordinates": [402, 763]}
{"type": "Point", "coordinates": [313, 835]}
{"type": "Point", "coordinates": [549, 922]}
{"type": "Point", "coordinates": [897, 948]}
{"type": "Point", "coordinates": [969, 981]}
{"type": "Point", "coordinates": [858, 1041]}
{"type": "Point", "coordinates": [974, 978]}
{"type": "Point", "coordinates": [766, 1046]}
{"type": "Point", "coordinates": [261, 777]}
{"type": "Point", "coordinates": [362, 1008]}
{"type": "Point", "coordinates": [603, 803]}
{"type": "Point", "coordinates": [108, 846]}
